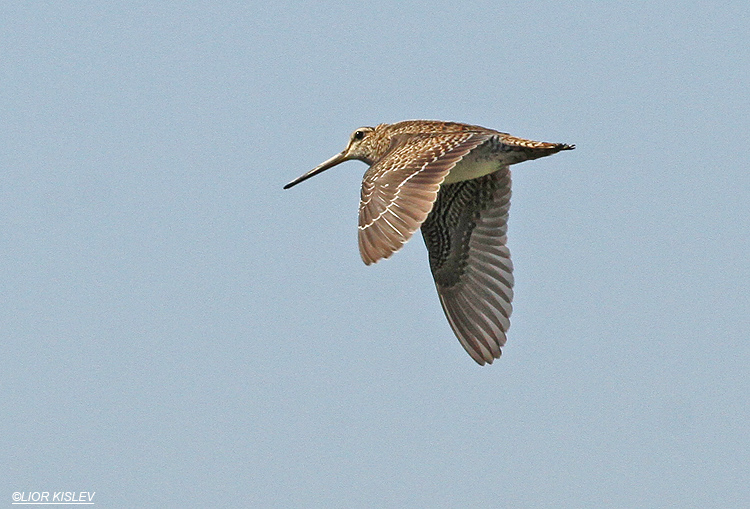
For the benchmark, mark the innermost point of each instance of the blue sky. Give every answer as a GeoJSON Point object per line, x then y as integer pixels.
{"type": "Point", "coordinates": [177, 331]}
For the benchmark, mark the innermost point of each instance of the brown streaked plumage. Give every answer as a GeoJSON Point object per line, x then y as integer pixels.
{"type": "Point", "coordinates": [453, 181]}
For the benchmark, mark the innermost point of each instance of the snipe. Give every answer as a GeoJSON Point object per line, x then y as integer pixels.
{"type": "Point", "coordinates": [453, 180]}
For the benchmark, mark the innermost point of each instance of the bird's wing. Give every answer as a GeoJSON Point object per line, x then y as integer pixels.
{"type": "Point", "coordinates": [399, 189]}
{"type": "Point", "coordinates": [465, 235]}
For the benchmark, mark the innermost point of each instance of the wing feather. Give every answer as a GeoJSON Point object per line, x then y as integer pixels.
{"type": "Point", "coordinates": [465, 235]}
{"type": "Point", "coordinates": [398, 191]}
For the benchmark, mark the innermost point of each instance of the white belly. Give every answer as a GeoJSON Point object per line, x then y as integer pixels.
{"type": "Point", "coordinates": [472, 167]}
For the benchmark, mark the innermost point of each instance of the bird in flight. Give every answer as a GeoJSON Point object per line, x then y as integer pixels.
{"type": "Point", "coordinates": [452, 180]}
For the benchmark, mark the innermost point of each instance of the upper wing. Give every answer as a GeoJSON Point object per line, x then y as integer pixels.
{"type": "Point", "coordinates": [465, 235]}
{"type": "Point", "coordinates": [398, 190]}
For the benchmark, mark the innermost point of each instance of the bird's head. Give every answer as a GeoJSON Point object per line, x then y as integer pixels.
{"type": "Point", "coordinates": [361, 146]}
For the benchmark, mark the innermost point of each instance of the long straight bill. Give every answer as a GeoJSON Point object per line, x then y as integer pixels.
{"type": "Point", "coordinates": [338, 158]}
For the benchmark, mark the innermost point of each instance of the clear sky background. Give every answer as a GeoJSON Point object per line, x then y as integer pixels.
{"type": "Point", "coordinates": [177, 331]}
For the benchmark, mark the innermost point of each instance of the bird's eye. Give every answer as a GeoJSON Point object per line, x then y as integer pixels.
{"type": "Point", "coordinates": [358, 135]}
